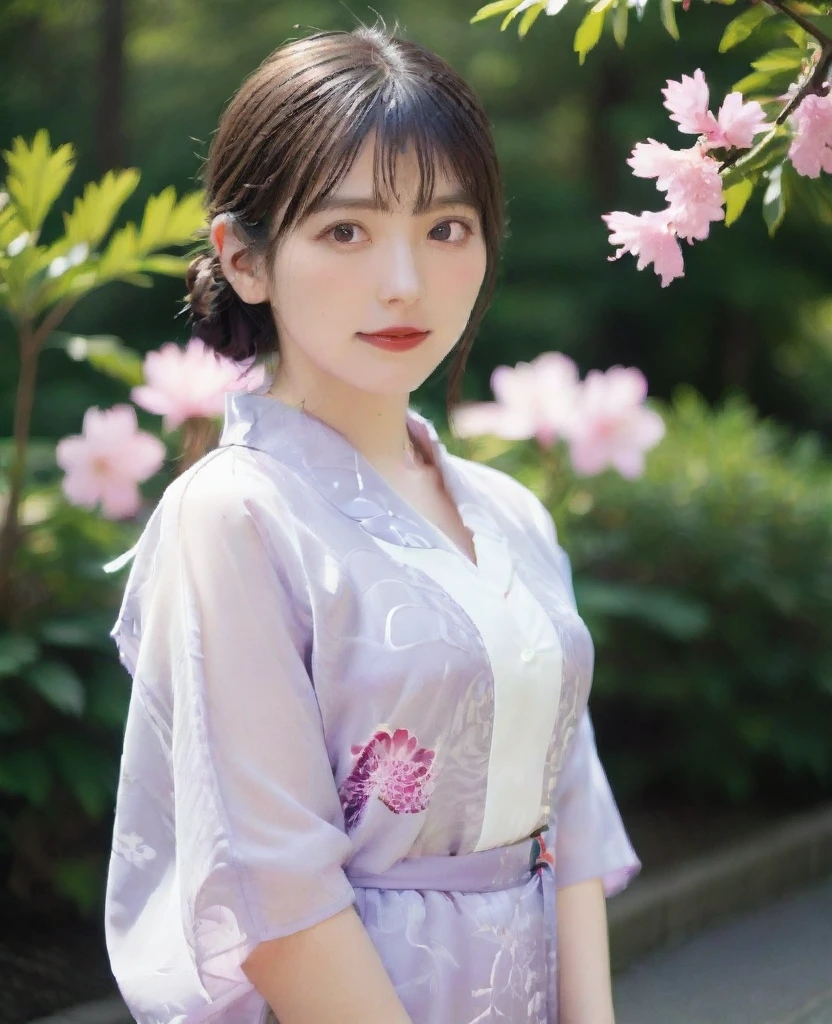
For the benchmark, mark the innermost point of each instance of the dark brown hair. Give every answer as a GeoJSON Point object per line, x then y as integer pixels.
{"type": "Point", "coordinates": [290, 135]}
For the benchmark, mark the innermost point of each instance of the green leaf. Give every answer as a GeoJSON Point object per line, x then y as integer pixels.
{"type": "Point", "coordinates": [530, 16]}
{"type": "Point", "coordinates": [11, 227]}
{"type": "Point", "coordinates": [620, 22]}
{"type": "Point", "coordinates": [668, 13]}
{"type": "Point", "coordinates": [16, 652]}
{"type": "Point", "coordinates": [509, 18]}
{"type": "Point", "coordinates": [105, 353]}
{"type": "Point", "coordinates": [85, 631]}
{"type": "Point", "coordinates": [590, 29]}
{"type": "Point", "coordinates": [671, 612]}
{"type": "Point", "coordinates": [26, 773]}
{"type": "Point", "coordinates": [168, 222]}
{"type": "Point", "coordinates": [93, 213]}
{"type": "Point", "coordinates": [788, 58]}
{"type": "Point", "coordinates": [771, 148]}
{"type": "Point", "coordinates": [774, 200]}
{"type": "Point", "coordinates": [12, 718]}
{"type": "Point", "coordinates": [170, 266]}
{"type": "Point", "coordinates": [79, 880]}
{"type": "Point", "coordinates": [88, 772]}
{"type": "Point", "coordinates": [493, 9]}
{"type": "Point", "coordinates": [37, 176]}
{"type": "Point", "coordinates": [736, 198]}
{"type": "Point", "coordinates": [108, 695]}
{"type": "Point", "coordinates": [743, 25]}
{"type": "Point", "coordinates": [58, 684]}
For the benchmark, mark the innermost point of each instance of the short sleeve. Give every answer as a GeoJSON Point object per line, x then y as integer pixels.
{"type": "Point", "coordinates": [590, 838]}
{"type": "Point", "coordinates": [228, 829]}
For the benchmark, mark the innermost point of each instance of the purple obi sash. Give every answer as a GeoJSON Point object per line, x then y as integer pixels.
{"type": "Point", "coordinates": [502, 867]}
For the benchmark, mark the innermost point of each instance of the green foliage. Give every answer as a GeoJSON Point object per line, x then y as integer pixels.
{"type": "Point", "coordinates": [63, 697]}
{"type": "Point", "coordinates": [590, 29]}
{"type": "Point", "coordinates": [34, 278]}
{"type": "Point", "coordinates": [738, 30]}
{"type": "Point", "coordinates": [707, 587]}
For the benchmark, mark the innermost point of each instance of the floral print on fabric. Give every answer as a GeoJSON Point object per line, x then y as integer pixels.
{"type": "Point", "coordinates": [393, 768]}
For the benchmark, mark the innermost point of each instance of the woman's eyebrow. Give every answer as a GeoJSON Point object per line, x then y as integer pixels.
{"type": "Point", "coordinates": [342, 202]}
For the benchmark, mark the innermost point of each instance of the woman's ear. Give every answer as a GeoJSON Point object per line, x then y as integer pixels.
{"type": "Point", "coordinates": [244, 272]}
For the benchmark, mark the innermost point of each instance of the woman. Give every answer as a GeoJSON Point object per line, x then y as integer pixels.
{"type": "Point", "coordinates": [359, 780]}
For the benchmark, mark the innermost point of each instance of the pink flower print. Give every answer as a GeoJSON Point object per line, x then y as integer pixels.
{"type": "Point", "coordinates": [393, 768]}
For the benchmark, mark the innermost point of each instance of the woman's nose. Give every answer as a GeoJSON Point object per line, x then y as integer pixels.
{"type": "Point", "coordinates": [400, 273]}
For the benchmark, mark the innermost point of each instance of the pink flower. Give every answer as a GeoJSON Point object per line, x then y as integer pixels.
{"type": "Point", "coordinates": [738, 122]}
{"type": "Point", "coordinates": [736, 125]}
{"type": "Point", "coordinates": [612, 427]}
{"type": "Point", "coordinates": [650, 237]}
{"type": "Point", "coordinates": [687, 102]}
{"type": "Point", "coordinates": [811, 148]}
{"type": "Point", "coordinates": [533, 400]}
{"type": "Point", "coordinates": [393, 768]}
{"type": "Point", "coordinates": [691, 180]}
{"type": "Point", "coordinates": [107, 460]}
{"type": "Point", "coordinates": [191, 382]}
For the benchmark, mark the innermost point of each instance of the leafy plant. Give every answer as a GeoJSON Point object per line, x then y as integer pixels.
{"type": "Point", "coordinates": [63, 693]}
{"type": "Point", "coordinates": [41, 283]}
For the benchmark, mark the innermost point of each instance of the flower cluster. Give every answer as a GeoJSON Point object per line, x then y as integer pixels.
{"type": "Point", "coordinates": [109, 458]}
{"type": "Point", "coordinates": [689, 178]}
{"type": "Point", "coordinates": [811, 148]}
{"type": "Point", "coordinates": [602, 419]}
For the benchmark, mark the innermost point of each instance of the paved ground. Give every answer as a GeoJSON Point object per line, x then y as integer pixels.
{"type": "Point", "coordinates": [773, 966]}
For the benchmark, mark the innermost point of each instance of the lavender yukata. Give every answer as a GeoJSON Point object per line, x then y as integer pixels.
{"type": "Point", "coordinates": [332, 704]}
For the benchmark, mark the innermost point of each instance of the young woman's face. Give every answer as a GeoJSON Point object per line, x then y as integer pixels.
{"type": "Point", "coordinates": [350, 269]}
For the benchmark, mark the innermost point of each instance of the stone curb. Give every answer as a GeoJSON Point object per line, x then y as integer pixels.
{"type": "Point", "coordinates": [660, 911]}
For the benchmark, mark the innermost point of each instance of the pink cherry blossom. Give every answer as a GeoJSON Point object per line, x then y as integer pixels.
{"type": "Point", "coordinates": [191, 382]}
{"type": "Point", "coordinates": [687, 102]}
{"type": "Point", "coordinates": [691, 180]}
{"type": "Point", "coordinates": [735, 126]}
{"type": "Point", "coordinates": [649, 236]}
{"type": "Point", "coordinates": [533, 400]}
{"type": "Point", "coordinates": [611, 426]}
{"type": "Point", "coordinates": [107, 460]}
{"type": "Point", "coordinates": [738, 122]}
{"type": "Point", "coordinates": [811, 148]}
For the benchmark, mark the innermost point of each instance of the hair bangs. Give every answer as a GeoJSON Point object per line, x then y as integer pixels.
{"type": "Point", "coordinates": [400, 115]}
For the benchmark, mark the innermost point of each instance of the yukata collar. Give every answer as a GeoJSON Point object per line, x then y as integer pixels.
{"type": "Point", "coordinates": [322, 455]}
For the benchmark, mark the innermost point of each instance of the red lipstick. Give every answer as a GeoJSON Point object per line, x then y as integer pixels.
{"type": "Point", "coordinates": [395, 339]}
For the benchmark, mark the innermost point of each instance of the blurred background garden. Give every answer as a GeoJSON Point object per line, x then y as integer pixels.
{"type": "Point", "coordinates": [706, 582]}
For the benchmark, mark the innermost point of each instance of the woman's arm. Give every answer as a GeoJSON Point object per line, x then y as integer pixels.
{"type": "Point", "coordinates": [583, 951]}
{"type": "Point", "coordinates": [330, 973]}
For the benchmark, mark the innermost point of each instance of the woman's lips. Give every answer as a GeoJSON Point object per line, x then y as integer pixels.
{"type": "Point", "coordinates": [395, 343]}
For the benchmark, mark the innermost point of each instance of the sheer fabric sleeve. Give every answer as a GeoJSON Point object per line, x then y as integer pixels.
{"type": "Point", "coordinates": [590, 838]}
{"type": "Point", "coordinates": [228, 827]}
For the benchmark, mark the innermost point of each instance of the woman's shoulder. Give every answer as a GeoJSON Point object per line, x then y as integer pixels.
{"type": "Point", "coordinates": [505, 495]}
{"type": "Point", "coordinates": [229, 484]}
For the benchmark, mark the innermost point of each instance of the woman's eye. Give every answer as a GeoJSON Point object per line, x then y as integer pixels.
{"type": "Point", "coordinates": [344, 232]}
{"type": "Point", "coordinates": [448, 235]}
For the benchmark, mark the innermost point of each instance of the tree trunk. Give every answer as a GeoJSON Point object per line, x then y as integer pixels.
{"type": "Point", "coordinates": [110, 113]}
